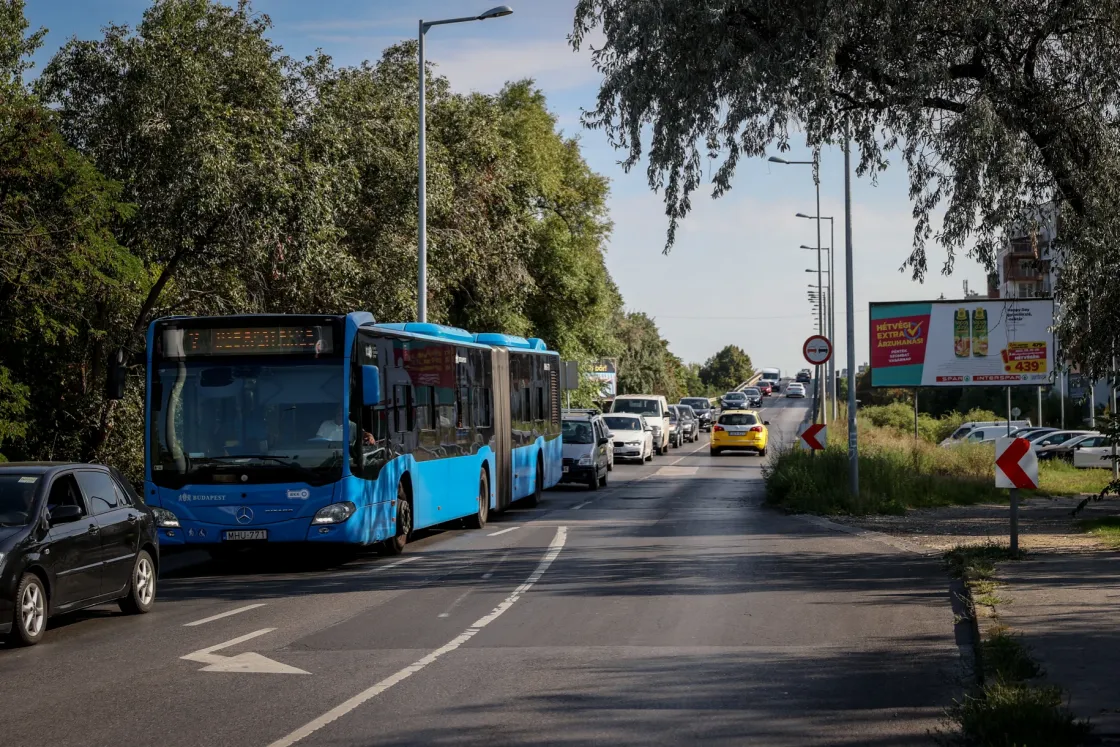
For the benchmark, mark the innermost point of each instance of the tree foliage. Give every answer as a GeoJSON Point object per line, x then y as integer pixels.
{"type": "Point", "coordinates": [727, 369]}
{"type": "Point", "coordinates": [995, 107]}
{"type": "Point", "coordinates": [186, 166]}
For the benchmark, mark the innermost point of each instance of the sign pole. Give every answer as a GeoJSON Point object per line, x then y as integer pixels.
{"type": "Point", "coordinates": [1014, 493]}
{"type": "Point", "coordinates": [1009, 412]}
{"type": "Point", "coordinates": [915, 413]}
{"type": "Point", "coordinates": [1062, 398]}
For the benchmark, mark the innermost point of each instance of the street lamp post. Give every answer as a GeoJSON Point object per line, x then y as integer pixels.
{"type": "Point", "coordinates": [815, 163]}
{"type": "Point", "coordinates": [831, 308]}
{"type": "Point", "coordinates": [422, 196]}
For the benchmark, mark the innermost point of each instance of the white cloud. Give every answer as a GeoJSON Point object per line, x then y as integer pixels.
{"type": "Point", "coordinates": [486, 65]}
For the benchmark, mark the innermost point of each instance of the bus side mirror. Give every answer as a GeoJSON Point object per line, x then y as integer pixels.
{"type": "Point", "coordinates": [371, 386]}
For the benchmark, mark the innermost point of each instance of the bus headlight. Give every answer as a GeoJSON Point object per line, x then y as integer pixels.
{"type": "Point", "coordinates": [585, 461]}
{"type": "Point", "coordinates": [336, 513]}
{"type": "Point", "coordinates": [165, 518]}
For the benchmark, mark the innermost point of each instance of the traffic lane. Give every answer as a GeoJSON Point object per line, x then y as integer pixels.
{"type": "Point", "coordinates": [713, 621]}
{"type": "Point", "coordinates": [186, 705]}
{"type": "Point", "coordinates": [121, 652]}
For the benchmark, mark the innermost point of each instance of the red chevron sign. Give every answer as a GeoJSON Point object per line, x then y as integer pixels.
{"type": "Point", "coordinates": [1016, 464]}
{"type": "Point", "coordinates": [813, 436]}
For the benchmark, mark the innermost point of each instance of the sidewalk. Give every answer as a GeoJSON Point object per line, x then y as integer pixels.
{"type": "Point", "coordinates": [1063, 598]}
{"type": "Point", "coordinates": [1067, 608]}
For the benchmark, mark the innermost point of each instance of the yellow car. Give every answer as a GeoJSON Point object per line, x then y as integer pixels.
{"type": "Point", "coordinates": [740, 430]}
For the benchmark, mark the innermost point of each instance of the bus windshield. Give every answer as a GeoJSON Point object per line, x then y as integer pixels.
{"type": "Point", "coordinates": [216, 421]}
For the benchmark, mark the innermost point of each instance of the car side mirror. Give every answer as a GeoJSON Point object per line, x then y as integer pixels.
{"type": "Point", "coordinates": [65, 515]}
{"type": "Point", "coordinates": [766, 422]}
{"type": "Point", "coordinates": [371, 386]}
{"type": "Point", "coordinates": [603, 440]}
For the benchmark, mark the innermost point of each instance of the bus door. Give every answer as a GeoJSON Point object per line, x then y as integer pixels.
{"type": "Point", "coordinates": [503, 457]}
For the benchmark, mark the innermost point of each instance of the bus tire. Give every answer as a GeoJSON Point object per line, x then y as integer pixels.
{"type": "Point", "coordinates": [482, 512]}
{"type": "Point", "coordinates": [537, 495]}
{"type": "Point", "coordinates": [395, 544]}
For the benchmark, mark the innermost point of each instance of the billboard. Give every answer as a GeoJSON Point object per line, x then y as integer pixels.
{"type": "Point", "coordinates": [974, 342]}
{"type": "Point", "coordinates": [605, 371]}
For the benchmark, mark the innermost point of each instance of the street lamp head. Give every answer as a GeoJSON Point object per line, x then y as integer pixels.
{"type": "Point", "coordinates": [802, 215]}
{"type": "Point", "coordinates": [803, 246]}
{"type": "Point", "coordinates": [775, 159]}
{"type": "Point", "coordinates": [501, 10]}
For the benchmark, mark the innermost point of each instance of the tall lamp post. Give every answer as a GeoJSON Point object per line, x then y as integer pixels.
{"type": "Point", "coordinates": [422, 270]}
{"type": "Point", "coordinates": [815, 163]}
{"type": "Point", "coordinates": [831, 306]}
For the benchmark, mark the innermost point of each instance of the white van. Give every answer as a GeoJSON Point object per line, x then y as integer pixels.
{"type": "Point", "coordinates": [654, 408]}
{"type": "Point", "coordinates": [965, 430]}
{"type": "Point", "coordinates": [984, 433]}
{"type": "Point", "coordinates": [772, 376]}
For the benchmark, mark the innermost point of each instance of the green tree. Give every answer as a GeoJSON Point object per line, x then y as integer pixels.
{"type": "Point", "coordinates": [727, 369]}
{"type": "Point", "coordinates": [994, 107]}
{"type": "Point", "coordinates": [62, 272]}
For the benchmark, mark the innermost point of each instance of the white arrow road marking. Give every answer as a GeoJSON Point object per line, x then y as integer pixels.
{"type": "Point", "coordinates": [503, 531]}
{"type": "Point", "coordinates": [248, 662]}
{"type": "Point", "coordinates": [341, 710]}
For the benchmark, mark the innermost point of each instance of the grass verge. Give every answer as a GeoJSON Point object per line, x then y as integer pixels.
{"type": "Point", "coordinates": [1007, 709]}
{"type": "Point", "coordinates": [897, 472]}
{"type": "Point", "coordinates": [1106, 529]}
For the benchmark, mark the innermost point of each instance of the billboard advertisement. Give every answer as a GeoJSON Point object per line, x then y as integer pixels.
{"type": "Point", "coordinates": [605, 371]}
{"type": "Point", "coordinates": [974, 342]}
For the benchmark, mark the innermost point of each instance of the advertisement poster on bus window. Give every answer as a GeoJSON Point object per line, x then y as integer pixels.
{"type": "Point", "coordinates": [605, 371]}
{"type": "Point", "coordinates": [974, 342]}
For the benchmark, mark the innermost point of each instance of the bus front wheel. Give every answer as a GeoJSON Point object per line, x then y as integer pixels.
{"type": "Point", "coordinates": [395, 544]}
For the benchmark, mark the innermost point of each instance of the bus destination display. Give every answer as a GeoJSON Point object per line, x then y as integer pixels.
{"type": "Point", "coordinates": [309, 339]}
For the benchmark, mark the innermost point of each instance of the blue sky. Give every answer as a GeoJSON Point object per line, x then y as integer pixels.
{"type": "Point", "coordinates": [736, 275]}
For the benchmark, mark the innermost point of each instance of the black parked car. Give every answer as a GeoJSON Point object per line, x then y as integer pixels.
{"type": "Point", "coordinates": [71, 536]}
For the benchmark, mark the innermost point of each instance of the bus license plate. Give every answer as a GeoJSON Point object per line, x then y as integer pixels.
{"type": "Point", "coordinates": [235, 535]}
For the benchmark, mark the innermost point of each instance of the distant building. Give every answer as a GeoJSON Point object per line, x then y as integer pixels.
{"type": "Point", "coordinates": [1025, 266]}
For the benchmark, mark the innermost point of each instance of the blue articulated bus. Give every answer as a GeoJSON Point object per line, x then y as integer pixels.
{"type": "Point", "coordinates": [336, 430]}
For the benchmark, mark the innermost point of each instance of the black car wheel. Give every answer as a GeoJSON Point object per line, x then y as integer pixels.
{"type": "Point", "coordinates": [142, 591]}
{"type": "Point", "coordinates": [30, 623]}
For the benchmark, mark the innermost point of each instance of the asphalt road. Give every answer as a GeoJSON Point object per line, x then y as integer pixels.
{"type": "Point", "coordinates": [671, 607]}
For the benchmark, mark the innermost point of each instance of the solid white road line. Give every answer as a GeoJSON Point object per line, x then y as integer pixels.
{"type": "Point", "coordinates": [212, 618]}
{"type": "Point", "coordinates": [495, 534]}
{"type": "Point", "coordinates": [194, 655]}
{"type": "Point", "coordinates": [341, 710]}
{"type": "Point", "coordinates": [577, 508]}
{"type": "Point", "coordinates": [379, 567]}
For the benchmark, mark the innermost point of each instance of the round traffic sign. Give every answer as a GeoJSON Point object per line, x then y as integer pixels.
{"type": "Point", "coordinates": [817, 350]}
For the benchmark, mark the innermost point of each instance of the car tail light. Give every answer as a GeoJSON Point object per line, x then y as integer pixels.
{"type": "Point", "coordinates": [756, 429]}
{"type": "Point", "coordinates": [717, 427]}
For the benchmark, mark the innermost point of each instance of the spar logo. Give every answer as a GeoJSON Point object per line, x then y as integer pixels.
{"type": "Point", "coordinates": [913, 332]}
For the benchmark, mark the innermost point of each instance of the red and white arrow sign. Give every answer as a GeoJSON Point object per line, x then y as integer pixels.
{"type": "Point", "coordinates": [813, 436]}
{"type": "Point", "coordinates": [1016, 464]}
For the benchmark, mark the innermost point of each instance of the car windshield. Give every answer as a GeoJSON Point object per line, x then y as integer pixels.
{"type": "Point", "coordinates": [577, 432]}
{"type": "Point", "coordinates": [277, 421]}
{"type": "Point", "coordinates": [696, 403]}
{"type": "Point", "coordinates": [623, 424]}
{"type": "Point", "coordinates": [637, 406]}
{"type": "Point", "coordinates": [738, 418]}
{"type": "Point", "coordinates": [753, 391]}
{"type": "Point", "coordinates": [734, 395]}
{"type": "Point", "coordinates": [17, 493]}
